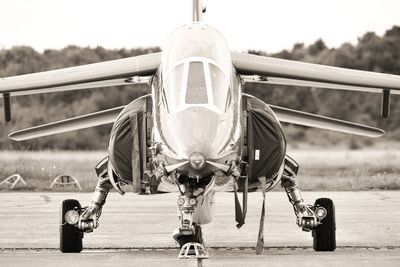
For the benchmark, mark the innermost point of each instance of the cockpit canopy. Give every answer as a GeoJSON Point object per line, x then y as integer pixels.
{"type": "Point", "coordinates": [197, 70]}
{"type": "Point", "coordinates": [199, 82]}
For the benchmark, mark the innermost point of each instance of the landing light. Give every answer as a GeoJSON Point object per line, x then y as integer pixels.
{"type": "Point", "coordinates": [197, 160]}
{"type": "Point", "coordinates": [320, 212]}
{"type": "Point", "coordinates": [72, 217]}
{"type": "Point", "coordinates": [181, 201]}
{"type": "Point", "coordinates": [192, 201]}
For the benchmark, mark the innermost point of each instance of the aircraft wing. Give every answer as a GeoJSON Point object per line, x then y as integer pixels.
{"type": "Point", "coordinates": [303, 83]}
{"type": "Point", "coordinates": [82, 122]}
{"type": "Point", "coordinates": [288, 72]}
{"type": "Point", "coordinates": [103, 117]}
{"type": "Point", "coordinates": [108, 73]}
{"type": "Point", "coordinates": [322, 122]}
{"type": "Point", "coordinates": [89, 85]}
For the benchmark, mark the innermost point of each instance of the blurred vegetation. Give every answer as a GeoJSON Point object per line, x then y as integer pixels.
{"type": "Point", "coordinates": [39, 109]}
{"type": "Point", "coordinates": [372, 52]}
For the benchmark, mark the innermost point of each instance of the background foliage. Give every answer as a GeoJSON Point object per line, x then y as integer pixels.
{"type": "Point", "coordinates": [372, 52]}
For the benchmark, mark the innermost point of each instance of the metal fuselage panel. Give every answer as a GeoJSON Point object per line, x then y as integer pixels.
{"type": "Point", "coordinates": [197, 100]}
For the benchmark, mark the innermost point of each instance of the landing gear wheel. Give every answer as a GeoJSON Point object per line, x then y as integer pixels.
{"type": "Point", "coordinates": [70, 237]}
{"type": "Point", "coordinates": [196, 238]}
{"type": "Point", "coordinates": [325, 235]}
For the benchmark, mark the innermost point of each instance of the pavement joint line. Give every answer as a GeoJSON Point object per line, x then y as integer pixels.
{"type": "Point", "coordinates": [150, 249]}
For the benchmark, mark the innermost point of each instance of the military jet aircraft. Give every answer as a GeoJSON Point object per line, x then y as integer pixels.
{"type": "Point", "coordinates": [196, 132]}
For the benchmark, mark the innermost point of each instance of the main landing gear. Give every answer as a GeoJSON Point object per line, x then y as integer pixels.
{"type": "Point", "coordinates": [70, 236]}
{"type": "Point", "coordinates": [318, 218]}
{"type": "Point", "coordinates": [325, 234]}
{"type": "Point", "coordinates": [75, 220]}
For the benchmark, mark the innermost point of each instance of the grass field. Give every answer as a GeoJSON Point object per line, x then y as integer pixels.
{"type": "Point", "coordinates": [348, 169]}
{"type": "Point", "coordinates": [319, 169]}
{"type": "Point", "coordinates": [40, 168]}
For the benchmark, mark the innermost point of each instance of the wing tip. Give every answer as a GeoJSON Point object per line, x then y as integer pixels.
{"type": "Point", "coordinates": [379, 133]}
{"type": "Point", "coordinates": [14, 136]}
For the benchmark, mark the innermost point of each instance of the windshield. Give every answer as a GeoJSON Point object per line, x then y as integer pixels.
{"type": "Point", "coordinates": [196, 82]}
{"type": "Point", "coordinates": [196, 90]}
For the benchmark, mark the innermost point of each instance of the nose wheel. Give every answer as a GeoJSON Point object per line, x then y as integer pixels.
{"type": "Point", "coordinates": [192, 246]}
{"type": "Point", "coordinates": [183, 239]}
{"type": "Point", "coordinates": [324, 236]}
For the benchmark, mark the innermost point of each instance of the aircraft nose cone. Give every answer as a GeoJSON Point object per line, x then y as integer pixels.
{"type": "Point", "coordinates": [197, 160]}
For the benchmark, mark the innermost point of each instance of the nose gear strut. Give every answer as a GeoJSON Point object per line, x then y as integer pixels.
{"type": "Point", "coordinates": [186, 207]}
{"type": "Point", "coordinates": [195, 198]}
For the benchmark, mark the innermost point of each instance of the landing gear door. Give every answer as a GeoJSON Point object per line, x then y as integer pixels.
{"type": "Point", "coordinates": [266, 145]}
{"type": "Point", "coordinates": [145, 127]}
{"type": "Point", "coordinates": [129, 141]}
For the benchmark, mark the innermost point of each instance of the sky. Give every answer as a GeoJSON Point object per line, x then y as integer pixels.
{"type": "Point", "coordinates": [265, 25]}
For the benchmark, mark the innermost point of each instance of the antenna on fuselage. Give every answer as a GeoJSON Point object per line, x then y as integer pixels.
{"type": "Point", "coordinates": [198, 10]}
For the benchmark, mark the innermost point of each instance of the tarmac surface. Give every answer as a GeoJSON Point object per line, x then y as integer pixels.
{"type": "Point", "coordinates": [137, 231]}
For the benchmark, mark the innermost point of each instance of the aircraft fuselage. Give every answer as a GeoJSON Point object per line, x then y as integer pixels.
{"type": "Point", "coordinates": [197, 102]}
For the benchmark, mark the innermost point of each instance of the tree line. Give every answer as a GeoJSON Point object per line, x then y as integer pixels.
{"type": "Point", "coordinates": [372, 53]}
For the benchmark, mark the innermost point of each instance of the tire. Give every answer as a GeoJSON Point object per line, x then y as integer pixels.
{"type": "Point", "coordinates": [196, 238]}
{"type": "Point", "coordinates": [324, 237]}
{"type": "Point", "coordinates": [70, 237]}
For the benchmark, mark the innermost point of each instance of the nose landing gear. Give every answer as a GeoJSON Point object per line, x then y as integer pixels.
{"type": "Point", "coordinates": [189, 235]}
{"type": "Point", "coordinates": [194, 209]}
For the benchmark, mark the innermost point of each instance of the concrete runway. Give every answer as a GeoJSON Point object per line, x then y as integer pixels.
{"type": "Point", "coordinates": [137, 231]}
